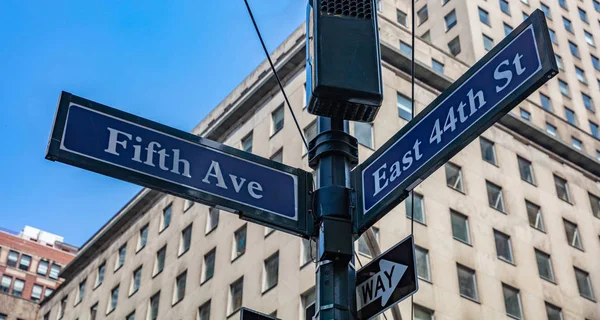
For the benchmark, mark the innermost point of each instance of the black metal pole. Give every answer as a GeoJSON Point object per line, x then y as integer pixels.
{"type": "Point", "coordinates": [335, 273]}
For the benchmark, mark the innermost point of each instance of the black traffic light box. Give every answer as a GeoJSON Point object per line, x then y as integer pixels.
{"type": "Point", "coordinates": [343, 59]}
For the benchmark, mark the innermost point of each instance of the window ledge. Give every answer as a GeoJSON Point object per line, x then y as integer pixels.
{"type": "Point", "coordinates": [156, 274]}
{"type": "Point", "coordinates": [425, 280]}
{"type": "Point", "coordinates": [503, 212]}
{"type": "Point", "coordinates": [118, 268]}
{"type": "Point", "coordinates": [97, 285]}
{"type": "Point", "coordinates": [177, 302]}
{"type": "Point", "coordinates": [457, 190]}
{"type": "Point", "coordinates": [531, 183]}
{"type": "Point", "coordinates": [509, 262]}
{"type": "Point", "coordinates": [140, 249]}
{"type": "Point", "coordinates": [211, 230]}
{"type": "Point", "coordinates": [234, 312]}
{"type": "Point", "coordinates": [131, 294]}
{"type": "Point", "coordinates": [534, 228]}
{"type": "Point", "coordinates": [580, 249]}
{"type": "Point", "coordinates": [275, 133]}
{"type": "Point", "coordinates": [305, 264]}
{"type": "Point", "coordinates": [110, 311]}
{"type": "Point", "coordinates": [567, 201]}
{"type": "Point", "coordinates": [182, 253]}
{"type": "Point", "coordinates": [470, 299]}
{"type": "Point", "coordinates": [417, 221]}
{"type": "Point", "coordinates": [549, 280]}
{"type": "Point", "coordinates": [236, 258]}
{"type": "Point", "coordinates": [588, 298]}
{"type": "Point", "coordinates": [463, 241]}
{"type": "Point", "coordinates": [77, 303]}
{"type": "Point", "coordinates": [205, 281]}
{"type": "Point", "coordinates": [271, 288]}
{"type": "Point", "coordinates": [163, 229]}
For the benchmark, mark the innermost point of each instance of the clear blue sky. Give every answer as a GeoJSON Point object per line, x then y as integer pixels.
{"type": "Point", "coordinates": [169, 61]}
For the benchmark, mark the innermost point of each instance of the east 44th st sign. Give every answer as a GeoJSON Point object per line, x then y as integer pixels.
{"type": "Point", "coordinates": [108, 141]}
{"type": "Point", "coordinates": [519, 65]}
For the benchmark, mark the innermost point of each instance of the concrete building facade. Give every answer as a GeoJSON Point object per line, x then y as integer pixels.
{"type": "Point", "coordinates": [509, 228]}
{"type": "Point", "coordinates": [30, 263]}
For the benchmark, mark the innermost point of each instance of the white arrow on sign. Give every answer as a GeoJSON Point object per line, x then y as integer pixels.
{"type": "Point", "coordinates": [380, 285]}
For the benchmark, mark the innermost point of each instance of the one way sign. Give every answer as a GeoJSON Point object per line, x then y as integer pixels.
{"type": "Point", "coordinates": [386, 280]}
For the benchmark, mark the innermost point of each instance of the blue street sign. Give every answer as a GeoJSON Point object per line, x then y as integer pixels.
{"type": "Point", "coordinates": [102, 139]}
{"type": "Point", "coordinates": [515, 68]}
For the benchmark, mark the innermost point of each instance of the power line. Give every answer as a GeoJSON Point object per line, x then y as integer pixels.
{"type": "Point", "coordinates": [275, 72]}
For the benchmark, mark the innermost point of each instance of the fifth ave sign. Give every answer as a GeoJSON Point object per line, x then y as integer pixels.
{"type": "Point", "coordinates": [508, 74]}
{"type": "Point", "coordinates": [99, 138]}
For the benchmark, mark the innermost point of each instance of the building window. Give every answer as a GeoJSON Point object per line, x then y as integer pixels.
{"type": "Point", "coordinates": [577, 144]}
{"type": "Point", "coordinates": [504, 7]}
{"type": "Point", "coordinates": [467, 283]}
{"type": "Point", "coordinates": [121, 257]}
{"type": "Point", "coordinates": [574, 49]}
{"type": "Point", "coordinates": [18, 286]}
{"type": "Point", "coordinates": [512, 301]}
{"type": "Point", "coordinates": [81, 291]}
{"type": "Point", "coordinates": [48, 292]}
{"type": "Point", "coordinates": [544, 265]}
{"type": "Point", "coordinates": [212, 219]}
{"type": "Point", "coordinates": [583, 15]}
{"type": "Point", "coordinates": [5, 284]}
{"type": "Point", "coordinates": [239, 242]}
{"type": "Point", "coordinates": [426, 36]}
{"type": "Point", "coordinates": [204, 311]}
{"type": "Point", "coordinates": [3, 316]}
{"type": "Point", "coordinates": [563, 3]}
{"type": "Point", "coordinates": [25, 262]}
{"type": "Point", "coordinates": [580, 75]}
{"type": "Point", "coordinates": [165, 219]}
{"type": "Point", "coordinates": [587, 101]}
{"type": "Point", "coordinates": [277, 118]}
{"type": "Point", "coordinates": [186, 240]}
{"type": "Point", "coordinates": [187, 204]}
{"type": "Point", "coordinates": [567, 24]}
{"type": "Point", "coordinates": [534, 215]}
{"type": "Point", "coordinates": [559, 62]}
{"type": "Point", "coordinates": [488, 152]}
{"type": "Point", "coordinates": [454, 177]}
{"type": "Point", "coordinates": [454, 46]}
{"type": "Point", "coordinates": [595, 202]}
{"type": "Point", "coordinates": [405, 48]}
{"type": "Point", "coordinates": [525, 114]}
{"type": "Point", "coordinates": [208, 269]}
{"type": "Point", "coordinates": [13, 257]}
{"type": "Point", "coordinates": [100, 274]}
{"type": "Point", "coordinates": [310, 132]}
{"type": "Point", "coordinates": [584, 284]}
{"type": "Point", "coordinates": [437, 66]}
{"type": "Point", "coordinates": [363, 132]}
{"type": "Point", "coordinates": [277, 156]}
{"type": "Point", "coordinates": [553, 36]}
{"type": "Point", "coordinates": [309, 251]}
{"type": "Point", "coordinates": [143, 238]}
{"type": "Point", "coordinates": [419, 207]}
{"type": "Point", "coordinates": [114, 297]}
{"type": "Point", "coordinates": [307, 299]}
{"type": "Point", "coordinates": [572, 233]}
{"type": "Point", "coordinates": [484, 16]}
{"type": "Point", "coordinates": [423, 267]}
{"type": "Point", "coordinates": [594, 130]}
{"type": "Point", "coordinates": [130, 316]}
{"type": "Point", "coordinates": [597, 5]}
{"type": "Point", "coordinates": [61, 307]}
{"type": "Point", "coordinates": [136, 280]}
{"type": "Point", "coordinates": [562, 189]}
{"type": "Point", "coordinates": [423, 14]}
{"type": "Point", "coordinates": [404, 107]}
{"type": "Point", "coordinates": [488, 43]}
{"type": "Point", "coordinates": [153, 307]}
{"type": "Point", "coordinates": [450, 20]}
{"type": "Point", "coordinates": [570, 115]}
{"type": "Point", "coordinates": [179, 290]}
{"type": "Point", "coordinates": [271, 272]}
{"type": "Point", "coordinates": [551, 129]}
{"type": "Point", "coordinates": [546, 10]}
{"type": "Point", "coordinates": [363, 247]}
{"type": "Point", "coordinates": [589, 38]}
{"type": "Point", "coordinates": [546, 103]}
{"type": "Point", "coordinates": [422, 313]}
{"type": "Point", "coordinates": [42, 268]}
{"type": "Point", "coordinates": [525, 170]}
{"type": "Point", "coordinates": [553, 312]}
{"type": "Point", "coordinates": [525, 15]}
{"type": "Point", "coordinates": [460, 227]}
{"type": "Point", "coordinates": [236, 293]}
{"type": "Point", "coordinates": [54, 271]}
{"type": "Point", "coordinates": [503, 247]}
{"type": "Point", "coordinates": [596, 63]}
{"type": "Point", "coordinates": [36, 293]}
{"type": "Point", "coordinates": [93, 311]}
{"type": "Point", "coordinates": [401, 17]}
{"type": "Point", "coordinates": [247, 143]}
{"type": "Point", "coordinates": [508, 29]}
{"type": "Point", "coordinates": [159, 262]}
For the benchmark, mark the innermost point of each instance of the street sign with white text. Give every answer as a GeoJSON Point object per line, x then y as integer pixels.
{"type": "Point", "coordinates": [386, 280]}
{"type": "Point", "coordinates": [99, 138]}
{"type": "Point", "coordinates": [508, 74]}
